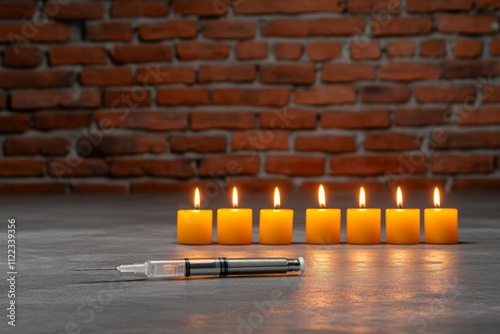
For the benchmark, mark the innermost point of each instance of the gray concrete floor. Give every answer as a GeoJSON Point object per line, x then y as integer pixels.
{"type": "Point", "coordinates": [346, 288]}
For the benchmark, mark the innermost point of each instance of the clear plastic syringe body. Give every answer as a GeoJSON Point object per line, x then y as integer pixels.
{"type": "Point", "coordinates": [215, 267]}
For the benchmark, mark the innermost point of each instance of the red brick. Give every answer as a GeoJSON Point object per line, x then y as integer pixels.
{"type": "Point", "coordinates": [200, 50]}
{"type": "Point", "coordinates": [200, 7]}
{"type": "Point", "coordinates": [74, 10]}
{"type": "Point", "coordinates": [421, 117]}
{"type": "Point", "coordinates": [260, 140]}
{"type": "Point", "coordinates": [287, 74]}
{"type": "Point", "coordinates": [495, 47]}
{"type": "Point", "coordinates": [456, 164]}
{"type": "Point", "coordinates": [370, 119]}
{"type": "Point", "coordinates": [229, 30]}
{"type": "Point", "coordinates": [468, 48]}
{"type": "Point", "coordinates": [322, 50]}
{"type": "Point", "coordinates": [277, 97]}
{"type": "Point", "coordinates": [35, 79]}
{"type": "Point", "coordinates": [491, 94]}
{"type": "Point", "coordinates": [22, 32]}
{"type": "Point", "coordinates": [121, 145]}
{"type": "Point", "coordinates": [106, 76]}
{"type": "Point", "coordinates": [261, 185]}
{"type": "Point", "coordinates": [328, 144]}
{"type": "Point", "coordinates": [344, 186]}
{"type": "Point", "coordinates": [98, 188]}
{"type": "Point", "coordinates": [288, 119]}
{"type": "Point", "coordinates": [488, 4]}
{"type": "Point", "coordinates": [230, 73]}
{"type": "Point", "coordinates": [11, 167]}
{"type": "Point", "coordinates": [450, 94]}
{"type": "Point", "coordinates": [324, 95]}
{"type": "Point", "coordinates": [226, 120]}
{"type": "Point", "coordinates": [391, 141]}
{"type": "Point", "coordinates": [385, 94]}
{"type": "Point", "coordinates": [377, 165]}
{"type": "Point", "coordinates": [427, 6]}
{"type": "Point", "coordinates": [183, 96]}
{"type": "Point", "coordinates": [365, 50]}
{"type": "Point", "coordinates": [141, 53]}
{"type": "Point", "coordinates": [157, 187]}
{"type": "Point", "coordinates": [51, 120]}
{"type": "Point", "coordinates": [454, 69]}
{"type": "Point", "coordinates": [167, 30]}
{"type": "Point", "coordinates": [479, 117]}
{"type": "Point", "coordinates": [22, 57]}
{"type": "Point", "coordinates": [286, 6]}
{"type": "Point", "coordinates": [32, 188]}
{"type": "Point", "coordinates": [400, 48]}
{"type": "Point", "coordinates": [136, 97]}
{"type": "Point", "coordinates": [144, 120]}
{"type": "Point", "coordinates": [290, 51]}
{"type": "Point", "coordinates": [251, 50]}
{"type": "Point", "coordinates": [12, 123]}
{"type": "Point", "coordinates": [27, 99]}
{"type": "Point", "coordinates": [295, 165]}
{"type": "Point", "coordinates": [346, 72]}
{"type": "Point", "coordinates": [465, 140]}
{"type": "Point", "coordinates": [467, 23]}
{"type": "Point", "coordinates": [110, 31]}
{"type": "Point", "coordinates": [76, 55]}
{"type": "Point", "coordinates": [408, 71]}
{"type": "Point", "coordinates": [433, 48]}
{"type": "Point", "coordinates": [200, 144]}
{"type": "Point", "coordinates": [136, 8]}
{"type": "Point", "coordinates": [475, 184]}
{"type": "Point", "coordinates": [314, 27]}
{"type": "Point", "coordinates": [230, 165]}
{"type": "Point", "coordinates": [71, 167]}
{"type": "Point", "coordinates": [414, 183]}
{"type": "Point", "coordinates": [401, 26]}
{"type": "Point", "coordinates": [374, 6]}
{"type": "Point", "coordinates": [159, 75]}
{"type": "Point", "coordinates": [3, 102]}
{"type": "Point", "coordinates": [30, 145]}
{"type": "Point", "coordinates": [17, 9]}
{"type": "Point", "coordinates": [179, 168]}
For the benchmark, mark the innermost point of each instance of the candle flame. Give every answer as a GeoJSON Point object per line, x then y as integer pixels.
{"type": "Point", "coordinates": [362, 198]}
{"type": "Point", "coordinates": [277, 201]}
{"type": "Point", "coordinates": [399, 198]}
{"type": "Point", "coordinates": [437, 199]}
{"type": "Point", "coordinates": [321, 196]}
{"type": "Point", "coordinates": [235, 197]}
{"type": "Point", "coordinates": [196, 199]}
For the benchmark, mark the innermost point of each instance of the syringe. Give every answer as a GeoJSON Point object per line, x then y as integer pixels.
{"type": "Point", "coordinates": [216, 267]}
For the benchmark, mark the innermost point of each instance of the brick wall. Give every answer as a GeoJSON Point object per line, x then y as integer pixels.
{"type": "Point", "coordinates": [152, 96]}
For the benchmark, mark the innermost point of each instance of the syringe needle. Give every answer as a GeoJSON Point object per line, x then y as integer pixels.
{"type": "Point", "coordinates": [90, 269]}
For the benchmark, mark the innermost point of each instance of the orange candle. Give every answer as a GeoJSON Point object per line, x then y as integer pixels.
{"type": "Point", "coordinates": [402, 226]}
{"type": "Point", "coordinates": [234, 226]}
{"type": "Point", "coordinates": [440, 225]}
{"type": "Point", "coordinates": [322, 225]}
{"type": "Point", "coordinates": [363, 225]}
{"type": "Point", "coordinates": [276, 225]}
{"type": "Point", "coordinates": [194, 227]}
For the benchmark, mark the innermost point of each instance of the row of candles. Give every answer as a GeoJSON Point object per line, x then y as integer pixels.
{"type": "Point", "coordinates": [402, 225]}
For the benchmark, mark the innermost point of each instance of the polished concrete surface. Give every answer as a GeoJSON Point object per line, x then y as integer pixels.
{"type": "Point", "coordinates": [346, 288]}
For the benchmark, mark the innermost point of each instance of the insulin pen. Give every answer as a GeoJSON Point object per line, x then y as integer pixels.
{"type": "Point", "coordinates": [216, 267]}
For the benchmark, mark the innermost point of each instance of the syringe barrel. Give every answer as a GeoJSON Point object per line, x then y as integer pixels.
{"type": "Point", "coordinates": [218, 267]}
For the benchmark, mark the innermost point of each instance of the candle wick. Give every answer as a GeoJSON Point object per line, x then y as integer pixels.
{"type": "Point", "coordinates": [400, 206]}
{"type": "Point", "coordinates": [277, 206]}
{"type": "Point", "coordinates": [362, 206]}
{"type": "Point", "coordinates": [235, 206]}
{"type": "Point", "coordinates": [322, 206]}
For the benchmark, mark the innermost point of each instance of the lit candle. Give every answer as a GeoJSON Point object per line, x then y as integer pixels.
{"type": "Point", "coordinates": [194, 227]}
{"type": "Point", "coordinates": [234, 226]}
{"type": "Point", "coordinates": [363, 225]}
{"type": "Point", "coordinates": [440, 225]}
{"type": "Point", "coordinates": [322, 225]}
{"type": "Point", "coordinates": [276, 225]}
{"type": "Point", "coordinates": [402, 226]}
